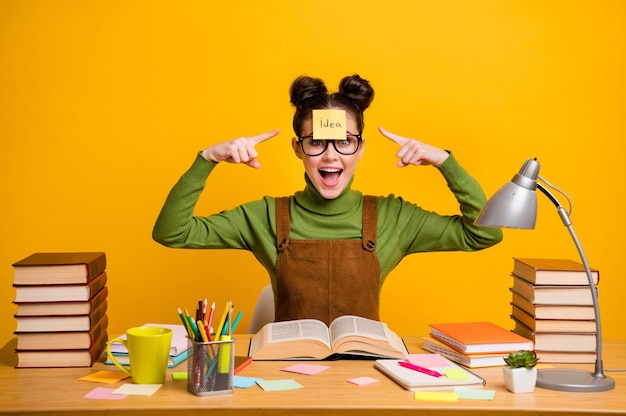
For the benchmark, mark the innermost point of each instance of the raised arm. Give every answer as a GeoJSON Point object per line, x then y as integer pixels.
{"type": "Point", "coordinates": [176, 225]}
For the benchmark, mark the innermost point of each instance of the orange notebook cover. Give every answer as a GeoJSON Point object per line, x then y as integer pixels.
{"type": "Point", "coordinates": [479, 337]}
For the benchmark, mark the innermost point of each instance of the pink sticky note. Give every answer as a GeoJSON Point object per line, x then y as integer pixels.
{"type": "Point", "coordinates": [428, 360]}
{"type": "Point", "coordinates": [362, 381]}
{"type": "Point", "coordinates": [103, 393]}
{"type": "Point", "coordinates": [308, 369]}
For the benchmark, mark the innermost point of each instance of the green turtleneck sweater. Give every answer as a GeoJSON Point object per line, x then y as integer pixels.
{"type": "Point", "coordinates": [403, 228]}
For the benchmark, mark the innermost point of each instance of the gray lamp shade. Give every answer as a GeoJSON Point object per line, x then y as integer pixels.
{"type": "Point", "coordinates": [515, 204]}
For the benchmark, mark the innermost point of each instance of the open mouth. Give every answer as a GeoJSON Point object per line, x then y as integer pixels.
{"type": "Point", "coordinates": [330, 176]}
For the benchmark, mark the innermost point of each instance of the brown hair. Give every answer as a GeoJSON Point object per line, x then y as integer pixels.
{"type": "Point", "coordinates": [307, 94]}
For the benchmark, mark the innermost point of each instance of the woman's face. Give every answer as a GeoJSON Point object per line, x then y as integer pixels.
{"type": "Point", "coordinates": [331, 171]}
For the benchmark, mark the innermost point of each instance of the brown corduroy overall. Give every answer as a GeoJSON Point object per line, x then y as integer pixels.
{"type": "Point", "coordinates": [325, 279]}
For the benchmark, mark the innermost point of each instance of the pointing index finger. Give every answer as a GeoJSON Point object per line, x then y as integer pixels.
{"type": "Point", "coordinates": [393, 137]}
{"type": "Point", "coordinates": [263, 137]}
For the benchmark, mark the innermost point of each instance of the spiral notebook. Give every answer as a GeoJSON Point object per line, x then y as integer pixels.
{"type": "Point", "coordinates": [453, 376]}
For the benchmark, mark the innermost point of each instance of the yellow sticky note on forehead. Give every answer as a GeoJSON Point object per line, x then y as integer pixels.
{"type": "Point", "coordinates": [329, 124]}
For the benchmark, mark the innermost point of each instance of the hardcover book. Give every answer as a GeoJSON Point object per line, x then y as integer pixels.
{"type": "Point", "coordinates": [553, 311]}
{"type": "Point", "coordinates": [60, 293]}
{"type": "Point", "coordinates": [552, 325]}
{"type": "Point", "coordinates": [479, 337]}
{"type": "Point", "coordinates": [172, 361]}
{"type": "Point", "coordinates": [564, 357]}
{"type": "Point", "coordinates": [62, 308]}
{"type": "Point", "coordinates": [468, 360]}
{"type": "Point", "coordinates": [60, 323]}
{"type": "Point", "coordinates": [58, 268]}
{"type": "Point", "coordinates": [62, 340]}
{"type": "Point", "coordinates": [552, 295]}
{"type": "Point", "coordinates": [558, 341]}
{"type": "Point", "coordinates": [178, 344]}
{"type": "Point", "coordinates": [553, 272]}
{"type": "Point", "coordinates": [61, 358]}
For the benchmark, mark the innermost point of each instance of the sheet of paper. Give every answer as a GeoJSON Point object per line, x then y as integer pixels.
{"type": "Point", "coordinates": [277, 385]}
{"type": "Point", "coordinates": [245, 382]}
{"type": "Point", "coordinates": [309, 369]}
{"type": "Point", "coordinates": [137, 389]}
{"type": "Point", "coordinates": [104, 376]}
{"type": "Point", "coordinates": [438, 396]}
{"type": "Point", "coordinates": [428, 360]}
{"type": "Point", "coordinates": [104, 393]}
{"type": "Point", "coordinates": [363, 381]}
{"type": "Point", "coordinates": [474, 394]}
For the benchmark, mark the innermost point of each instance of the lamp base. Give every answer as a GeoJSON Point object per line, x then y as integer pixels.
{"type": "Point", "coordinates": [566, 379]}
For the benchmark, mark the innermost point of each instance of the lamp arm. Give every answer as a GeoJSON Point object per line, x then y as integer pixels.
{"type": "Point", "coordinates": [599, 372]}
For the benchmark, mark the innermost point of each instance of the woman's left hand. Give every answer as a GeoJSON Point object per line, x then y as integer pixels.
{"type": "Point", "coordinates": [413, 152]}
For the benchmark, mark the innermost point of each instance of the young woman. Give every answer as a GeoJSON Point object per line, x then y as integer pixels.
{"type": "Point", "coordinates": [327, 248]}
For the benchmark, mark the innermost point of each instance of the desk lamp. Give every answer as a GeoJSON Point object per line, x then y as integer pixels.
{"type": "Point", "coordinates": [515, 206]}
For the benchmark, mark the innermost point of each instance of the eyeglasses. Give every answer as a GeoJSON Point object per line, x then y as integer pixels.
{"type": "Point", "coordinates": [315, 147]}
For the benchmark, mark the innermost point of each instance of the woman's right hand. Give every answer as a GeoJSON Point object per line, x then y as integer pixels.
{"type": "Point", "coordinates": [241, 150]}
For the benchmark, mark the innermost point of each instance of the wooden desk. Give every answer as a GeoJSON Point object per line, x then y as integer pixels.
{"type": "Point", "coordinates": [59, 392]}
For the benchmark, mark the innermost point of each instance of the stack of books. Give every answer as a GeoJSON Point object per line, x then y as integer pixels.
{"type": "Point", "coordinates": [178, 348]}
{"type": "Point", "coordinates": [61, 303]}
{"type": "Point", "coordinates": [474, 344]}
{"type": "Point", "coordinates": [552, 306]}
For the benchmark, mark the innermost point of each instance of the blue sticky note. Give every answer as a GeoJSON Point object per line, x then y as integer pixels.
{"type": "Point", "coordinates": [245, 382]}
{"type": "Point", "coordinates": [277, 385]}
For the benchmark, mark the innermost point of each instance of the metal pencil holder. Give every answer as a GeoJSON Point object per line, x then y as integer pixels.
{"type": "Point", "coordinates": [210, 367]}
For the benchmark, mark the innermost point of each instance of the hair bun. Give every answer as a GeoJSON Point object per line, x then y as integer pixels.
{"type": "Point", "coordinates": [358, 90]}
{"type": "Point", "coordinates": [304, 88]}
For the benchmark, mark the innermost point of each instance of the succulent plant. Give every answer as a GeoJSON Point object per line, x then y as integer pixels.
{"type": "Point", "coordinates": [522, 358]}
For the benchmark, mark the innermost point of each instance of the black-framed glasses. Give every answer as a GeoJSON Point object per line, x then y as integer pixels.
{"type": "Point", "coordinates": [315, 147]}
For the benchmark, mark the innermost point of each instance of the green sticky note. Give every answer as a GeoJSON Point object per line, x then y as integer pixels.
{"type": "Point", "coordinates": [456, 374]}
{"type": "Point", "coordinates": [277, 385]}
{"type": "Point", "coordinates": [474, 394]}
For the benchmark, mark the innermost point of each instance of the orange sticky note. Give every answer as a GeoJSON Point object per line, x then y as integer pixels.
{"type": "Point", "coordinates": [107, 377]}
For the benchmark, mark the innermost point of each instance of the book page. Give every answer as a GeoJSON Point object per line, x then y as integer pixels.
{"type": "Point", "coordinates": [355, 325]}
{"type": "Point", "coordinates": [356, 335]}
{"type": "Point", "coordinates": [293, 330]}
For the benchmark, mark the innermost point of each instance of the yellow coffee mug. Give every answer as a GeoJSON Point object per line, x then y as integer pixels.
{"type": "Point", "coordinates": [148, 351]}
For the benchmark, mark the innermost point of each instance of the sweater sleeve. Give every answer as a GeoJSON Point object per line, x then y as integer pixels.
{"type": "Point", "coordinates": [471, 199]}
{"type": "Point", "coordinates": [178, 227]}
{"type": "Point", "coordinates": [413, 229]}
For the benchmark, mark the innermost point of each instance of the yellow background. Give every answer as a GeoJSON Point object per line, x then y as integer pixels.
{"type": "Point", "coordinates": [104, 104]}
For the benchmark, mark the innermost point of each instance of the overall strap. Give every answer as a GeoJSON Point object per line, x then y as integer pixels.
{"type": "Point", "coordinates": [283, 223]}
{"type": "Point", "coordinates": [369, 222]}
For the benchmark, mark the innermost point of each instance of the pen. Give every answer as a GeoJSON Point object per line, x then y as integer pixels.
{"type": "Point", "coordinates": [420, 369]}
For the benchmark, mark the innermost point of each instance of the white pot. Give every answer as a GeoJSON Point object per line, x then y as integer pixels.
{"type": "Point", "coordinates": [519, 380]}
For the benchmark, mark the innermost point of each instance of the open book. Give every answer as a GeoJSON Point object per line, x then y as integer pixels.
{"type": "Point", "coordinates": [312, 339]}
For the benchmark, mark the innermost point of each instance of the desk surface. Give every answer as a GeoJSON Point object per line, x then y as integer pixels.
{"type": "Point", "coordinates": [59, 392]}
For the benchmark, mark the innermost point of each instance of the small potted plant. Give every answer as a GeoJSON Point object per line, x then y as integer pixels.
{"type": "Point", "coordinates": [520, 374]}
